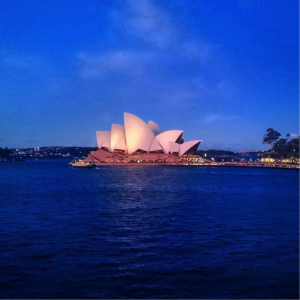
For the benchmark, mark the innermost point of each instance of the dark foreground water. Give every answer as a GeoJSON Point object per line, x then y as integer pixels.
{"type": "Point", "coordinates": [148, 232]}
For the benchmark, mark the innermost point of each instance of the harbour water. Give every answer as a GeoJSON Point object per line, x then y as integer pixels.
{"type": "Point", "coordinates": [148, 232]}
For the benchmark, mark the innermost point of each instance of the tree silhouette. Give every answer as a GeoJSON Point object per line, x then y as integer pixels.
{"type": "Point", "coordinates": [271, 137]}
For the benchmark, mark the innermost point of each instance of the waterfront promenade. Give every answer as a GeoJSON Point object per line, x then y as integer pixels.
{"type": "Point", "coordinates": [259, 165]}
{"type": "Point", "coordinates": [205, 164]}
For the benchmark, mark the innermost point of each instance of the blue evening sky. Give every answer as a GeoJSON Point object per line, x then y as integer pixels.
{"type": "Point", "coordinates": [221, 71]}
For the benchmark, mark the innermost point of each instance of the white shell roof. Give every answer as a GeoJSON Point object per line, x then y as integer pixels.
{"type": "Point", "coordinates": [117, 138]}
{"type": "Point", "coordinates": [174, 147]}
{"type": "Point", "coordinates": [155, 146]}
{"type": "Point", "coordinates": [185, 147]}
{"type": "Point", "coordinates": [103, 139]}
{"type": "Point", "coordinates": [168, 136]}
{"type": "Point", "coordinates": [121, 145]}
{"type": "Point", "coordinates": [138, 134]}
{"type": "Point", "coordinates": [154, 127]}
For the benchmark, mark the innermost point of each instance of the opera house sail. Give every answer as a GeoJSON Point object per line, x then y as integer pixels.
{"type": "Point", "coordinates": [139, 142]}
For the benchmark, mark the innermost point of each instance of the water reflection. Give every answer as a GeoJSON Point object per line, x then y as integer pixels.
{"type": "Point", "coordinates": [120, 232]}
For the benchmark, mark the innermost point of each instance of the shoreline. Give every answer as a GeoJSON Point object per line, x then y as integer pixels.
{"type": "Point", "coordinates": [222, 165]}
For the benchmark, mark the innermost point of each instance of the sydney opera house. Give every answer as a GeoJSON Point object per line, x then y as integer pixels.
{"type": "Point", "coordinates": [142, 143]}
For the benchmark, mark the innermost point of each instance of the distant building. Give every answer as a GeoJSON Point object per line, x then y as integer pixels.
{"type": "Point", "coordinates": [267, 159]}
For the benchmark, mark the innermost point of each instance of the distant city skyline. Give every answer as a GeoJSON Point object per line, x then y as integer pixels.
{"type": "Point", "coordinates": [221, 71]}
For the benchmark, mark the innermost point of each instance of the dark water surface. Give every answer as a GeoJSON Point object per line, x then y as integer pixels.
{"type": "Point", "coordinates": [148, 232]}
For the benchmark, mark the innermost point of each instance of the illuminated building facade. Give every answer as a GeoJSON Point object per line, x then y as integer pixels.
{"type": "Point", "coordinates": [139, 142]}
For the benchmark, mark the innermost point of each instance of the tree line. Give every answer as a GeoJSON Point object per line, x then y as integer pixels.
{"type": "Point", "coordinates": [281, 147]}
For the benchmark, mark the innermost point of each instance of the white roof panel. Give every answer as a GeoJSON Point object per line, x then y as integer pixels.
{"type": "Point", "coordinates": [138, 134]}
